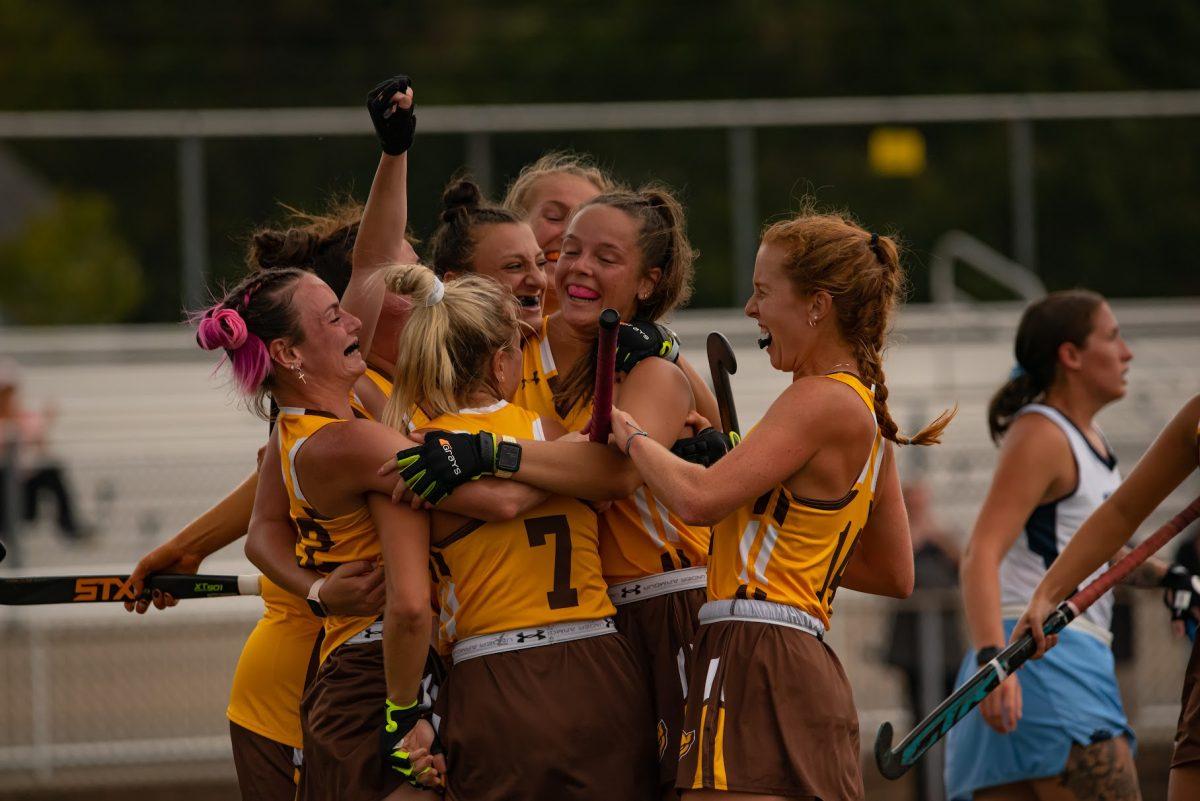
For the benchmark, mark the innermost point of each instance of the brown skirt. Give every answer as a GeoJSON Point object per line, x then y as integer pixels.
{"type": "Point", "coordinates": [1187, 733]}
{"type": "Point", "coordinates": [769, 711]}
{"type": "Point", "coordinates": [266, 770]}
{"type": "Point", "coordinates": [661, 631]}
{"type": "Point", "coordinates": [342, 715]}
{"type": "Point", "coordinates": [568, 722]}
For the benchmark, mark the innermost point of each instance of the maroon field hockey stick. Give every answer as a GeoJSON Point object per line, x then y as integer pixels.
{"type": "Point", "coordinates": [606, 365]}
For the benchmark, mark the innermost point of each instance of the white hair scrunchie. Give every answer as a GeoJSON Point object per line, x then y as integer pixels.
{"type": "Point", "coordinates": [436, 294]}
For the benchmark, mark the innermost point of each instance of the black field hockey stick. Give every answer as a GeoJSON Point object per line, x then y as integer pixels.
{"type": "Point", "coordinates": [721, 364]}
{"type": "Point", "coordinates": [895, 762]}
{"type": "Point", "coordinates": [32, 590]}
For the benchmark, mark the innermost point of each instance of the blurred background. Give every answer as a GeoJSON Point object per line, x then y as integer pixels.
{"type": "Point", "coordinates": [1017, 147]}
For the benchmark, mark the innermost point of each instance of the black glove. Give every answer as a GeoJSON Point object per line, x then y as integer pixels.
{"type": "Point", "coordinates": [398, 722]}
{"type": "Point", "coordinates": [1182, 592]}
{"type": "Point", "coordinates": [394, 125]}
{"type": "Point", "coordinates": [706, 448]}
{"type": "Point", "coordinates": [446, 461]}
{"type": "Point", "coordinates": [640, 339]}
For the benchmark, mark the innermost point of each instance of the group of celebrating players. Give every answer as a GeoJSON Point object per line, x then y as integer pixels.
{"type": "Point", "coordinates": [463, 594]}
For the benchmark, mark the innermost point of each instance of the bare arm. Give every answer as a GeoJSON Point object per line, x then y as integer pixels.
{"type": "Point", "coordinates": [372, 398]}
{"type": "Point", "coordinates": [380, 239]}
{"type": "Point", "coordinates": [883, 559]}
{"type": "Point", "coordinates": [404, 538]}
{"type": "Point", "coordinates": [783, 442]}
{"type": "Point", "coordinates": [1035, 465]}
{"type": "Point", "coordinates": [358, 447]}
{"type": "Point", "coordinates": [221, 525]}
{"type": "Point", "coordinates": [658, 394]}
{"type": "Point", "coordinates": [271, 543]}
{"type": "Point", "coordinates": [706, 401]}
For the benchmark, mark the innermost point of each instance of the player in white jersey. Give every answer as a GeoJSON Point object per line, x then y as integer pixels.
{"type": "Point", "coordinates": [1051, 525]}
{"type": "Point", "coordinates": [1059, 730]}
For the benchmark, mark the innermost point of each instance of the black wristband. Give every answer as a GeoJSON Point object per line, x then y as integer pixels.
{"type": "Point", "coordinates": [985, 655]}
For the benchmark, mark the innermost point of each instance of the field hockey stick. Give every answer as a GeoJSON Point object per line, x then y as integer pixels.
{"type": "Point", "coordinates": [32, 590]}
{"type": "Point", "coordinates": [606, 364]}
{"type": "Point", "coordinates": [721, 364]}
{"type": "Point", "coordinates": [895, 762]}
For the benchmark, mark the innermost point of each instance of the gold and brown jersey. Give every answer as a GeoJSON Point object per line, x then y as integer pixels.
{"type": "Point", "coordinates": [325, 541]}
{"type": "Point", "coordinates": [639, 536]}
{"type": "Point", "coordinates": [793, 550]}
{"type": "Point", "coordinates": [381, 380]}
{"type": "Point", "coordinates": [269, 680]}
{"type": "Point", "coordinates": [534, 570]}
{"type": "Point", "coordinates": [535, 392]}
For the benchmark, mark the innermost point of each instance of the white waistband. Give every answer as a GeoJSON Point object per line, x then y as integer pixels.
{"type": "Point", "coordinates": [687, 578]}
{"type": "Point", "coordinates": [755, 611]}
{"type": "Point", "coordinates": [1080, 624]}
{"type": "Point", "coordinates": [517, 639]}
{"type": "Point", "coordinates": [372, 633]}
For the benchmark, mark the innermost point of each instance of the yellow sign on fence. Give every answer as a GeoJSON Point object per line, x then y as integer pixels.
{"type": "Point", "coordinates": [896, 152]}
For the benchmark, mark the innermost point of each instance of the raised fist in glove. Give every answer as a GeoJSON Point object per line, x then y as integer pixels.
{"type": "Point", "coordinates": [391, 105]}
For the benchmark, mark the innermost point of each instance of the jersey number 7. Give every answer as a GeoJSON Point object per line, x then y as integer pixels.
{"type": "Point", "coordinates": [537, 529]}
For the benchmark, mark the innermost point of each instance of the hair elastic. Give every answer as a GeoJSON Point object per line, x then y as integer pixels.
{"type": "Point", "coordinates": [436, 294]}
{"type": "Point", "coordinates": [1017, 372]}
{"type": "Point", "coordinates": [250, 290]}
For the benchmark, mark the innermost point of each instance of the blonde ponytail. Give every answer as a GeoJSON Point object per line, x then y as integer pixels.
{"type": "Point", "coordinates": [444, 351]}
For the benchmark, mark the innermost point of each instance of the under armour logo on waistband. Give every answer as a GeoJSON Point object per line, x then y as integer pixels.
{"type": "Point", "coordinates": [636, 589]}
{"type": "Point", "coordinates": [537, 635]}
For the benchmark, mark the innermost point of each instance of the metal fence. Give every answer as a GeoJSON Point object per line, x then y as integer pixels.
{"type": "Point", "coordinates": [739, 119]}
{"type": "Point", "coordinates": [149, 440]}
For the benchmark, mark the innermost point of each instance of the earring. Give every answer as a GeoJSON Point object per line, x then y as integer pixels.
{"type": "Point", "coordinates": [298, 369]}
{"type": "Point", "coordinates": [812, 322]}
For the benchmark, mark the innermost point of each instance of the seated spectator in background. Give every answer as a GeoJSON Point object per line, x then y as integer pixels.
{"type": "Point", "coordinates": [37, 473]}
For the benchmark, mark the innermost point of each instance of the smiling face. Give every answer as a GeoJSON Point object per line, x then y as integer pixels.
{"type": "Point", "coordinates": [330, 347]}
{"type": "Point", "coordinates": [601, 267]}
{"type": "Point", "coordinates": [780, 311]}
{"type": "Point", "coordinates": [1103, 361]}
{"type": "Point", "coordinates": [552, 201]}
{"type": "Point", "coordinates": [509, 253]}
